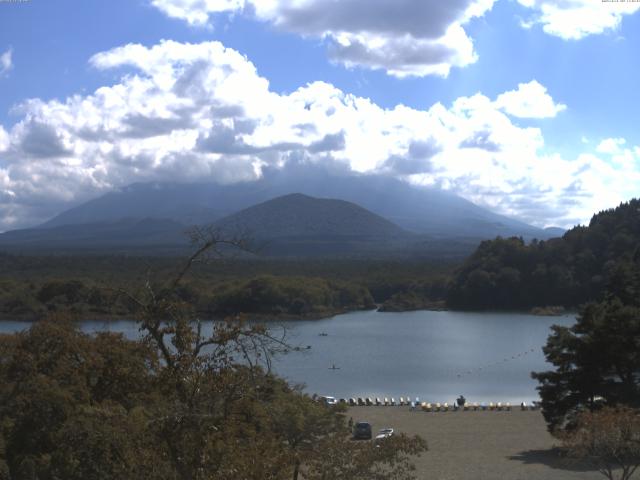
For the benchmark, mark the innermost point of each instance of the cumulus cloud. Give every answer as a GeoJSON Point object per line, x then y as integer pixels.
{"type": "Point", "coordinates": [576, 19]}
{"type": "Point", "coordinates": [201, 112]}
{"type": "Point", "coordinates": [6, 62]}
{"type": "Point", "coordinates": [196, 12]}
{"type": "Point", "coordinates": [621, 156]}
{"type": "Point", "coordinates": [530, 100]}
{"type": "Point", "coordinates": [611, 146]}
{"type": "Point", "coordinates": [402, 37]}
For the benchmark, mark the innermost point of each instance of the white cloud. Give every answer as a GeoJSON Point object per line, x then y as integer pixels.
{"type": "Point", "coordinates": [402, 37]}
{"type": "Point", "coordinates": [530, 100]}
{"type": "Point", "coordinates": [4, 140]}
{"type": "Point", "coordinates": [6, 62]}
{"type": "Point", "coordinates": [611, 146]}
{"type": "Point", "coordinates": [196, 12]}
{"type": "Point", "coordinates": [576, 19]}
{"type": "Point", "coordinates": [624, 159]}
{"type": "Point", "coordinates": [185, 112]}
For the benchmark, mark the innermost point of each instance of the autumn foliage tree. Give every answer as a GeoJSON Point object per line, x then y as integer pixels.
{"type": "Point", "coordinates": [190, 400]}
{"type": "Point", "coordinates": [609, 439]}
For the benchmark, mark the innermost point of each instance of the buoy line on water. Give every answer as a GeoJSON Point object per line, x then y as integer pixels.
{"type": "Point", "coordinates": [494, 364]}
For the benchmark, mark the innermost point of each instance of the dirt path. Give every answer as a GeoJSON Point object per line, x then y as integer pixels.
{"type": "Point", "coordinates": [486, 445]}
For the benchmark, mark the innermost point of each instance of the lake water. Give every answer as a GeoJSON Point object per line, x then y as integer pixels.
{"type": "Point", "coordinates": [432, 355]}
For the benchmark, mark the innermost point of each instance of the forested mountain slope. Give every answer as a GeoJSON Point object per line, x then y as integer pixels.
{"type": "Point", "coordinates": [508, 273]}
{"type": "Point", "coordinates": [298, 215]}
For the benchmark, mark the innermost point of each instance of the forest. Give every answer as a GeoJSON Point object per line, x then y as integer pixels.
{"type": "Point", "coordinates": [93, 286]}
{"type": "Point", "coordinates": [507, 273]}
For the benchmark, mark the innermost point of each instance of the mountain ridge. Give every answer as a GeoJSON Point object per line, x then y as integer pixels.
{"type": "Point", "coordinates": [420, 210]}
{"type": "Point", "coordinates": [290, 225]}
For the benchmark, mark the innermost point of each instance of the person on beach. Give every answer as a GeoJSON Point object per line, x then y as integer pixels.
{"type": "Point", "coordinates": [461, 401]}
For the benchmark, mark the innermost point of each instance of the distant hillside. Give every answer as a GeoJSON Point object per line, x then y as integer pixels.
{"type": "Point", "coordinates": [299, 225]}
{"type": "Point", "coordinates": [298, 215]}
{"type": "Point", "coordinates": [432, 212]}
{"type": "Point", "coordinates": [568, 271]}
{"type": "Point", "coordinates": [123, 235]}
{"type": "Point", "coordinates": [553, 232]}
{"type": "Point", "coordinates": [184, 203]}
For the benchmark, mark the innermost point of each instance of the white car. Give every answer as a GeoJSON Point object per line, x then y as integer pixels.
{"type": "Point", "coordinates": [329, 400]}
{"type": "Point", "coordinates": [384, 433]}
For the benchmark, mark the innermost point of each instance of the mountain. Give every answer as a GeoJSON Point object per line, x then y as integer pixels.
{"type": "Point", "coordinates": [293, 213]}
{"type": "Point", "coordinates": [432, 212]}
{"type": "Point", "coordinates": [554, 232]}
{"type": "Point", "coordinates": [298, 215]}
{"type": "Point", "coordinates": [291, 225]}
{"type": "Point", "coordinates": [298, 224]}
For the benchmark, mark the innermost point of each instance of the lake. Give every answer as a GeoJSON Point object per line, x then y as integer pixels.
{"type": "Point", "coordinates": [432, 355]}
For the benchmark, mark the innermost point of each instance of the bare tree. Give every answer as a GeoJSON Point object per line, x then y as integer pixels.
{"type": "Point", "coordinates": [177, 331]}
{"type": "Point", "coordinates": [609, 439]}
{"type": "Point", "coordinates": [207, 365]}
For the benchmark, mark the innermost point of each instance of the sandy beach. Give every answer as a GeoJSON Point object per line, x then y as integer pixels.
{"type": "Point", "coordinates": [481, 445]}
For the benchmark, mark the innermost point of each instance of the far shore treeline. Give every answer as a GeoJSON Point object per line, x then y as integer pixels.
{"type": "Point", "coordinates": [567, 271]}
{"type": "Point", "coordinates": [91, 286]}
{"type": "Point", "coordinates": [502, 274]}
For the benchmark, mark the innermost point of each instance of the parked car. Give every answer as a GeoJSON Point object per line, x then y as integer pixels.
{"type": "Point", "coordinates": [384, 433]}
{"type": "Point", "coordinates": [329, 400]}
{"type": "Point", "coordinates": [362, 430]}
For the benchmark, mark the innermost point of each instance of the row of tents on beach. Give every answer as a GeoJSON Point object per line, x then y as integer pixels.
{"type": "Point", "coordinates": [436, 407]}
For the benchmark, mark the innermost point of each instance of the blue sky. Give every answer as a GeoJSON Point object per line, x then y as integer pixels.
{"type": "Point", "coordinates": [523, 106]}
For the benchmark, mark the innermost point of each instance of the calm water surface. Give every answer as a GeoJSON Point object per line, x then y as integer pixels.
{"type": "Point", "coordinates": [433, 355]}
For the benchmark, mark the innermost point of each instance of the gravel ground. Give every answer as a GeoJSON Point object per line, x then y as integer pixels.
{"type": "Point", "coordinates": [482, 445]}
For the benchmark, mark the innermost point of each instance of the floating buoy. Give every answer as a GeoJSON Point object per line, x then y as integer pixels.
{"type": "Point", "coordinates": [493, 364]}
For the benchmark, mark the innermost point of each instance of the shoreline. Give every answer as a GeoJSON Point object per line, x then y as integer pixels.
{"type": "Point", "coordinates": [270, 318]}
{"type": "Point", "coordinates": [261, 317]}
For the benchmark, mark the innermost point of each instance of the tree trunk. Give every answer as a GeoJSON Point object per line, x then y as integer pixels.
{"type": "Point", "coordinates": [296, 470]}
